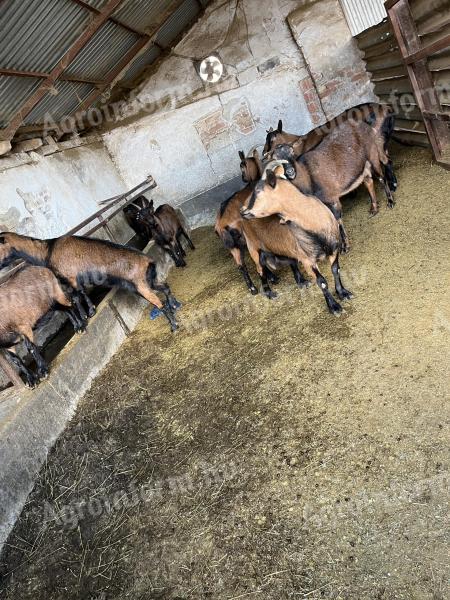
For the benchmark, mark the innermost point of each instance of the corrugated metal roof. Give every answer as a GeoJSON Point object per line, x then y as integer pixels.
{"type": "Point", "coordinates": [65, 102]}
{"type": "Point", "coordinates": [363, 14]}
{"type": "Point", "coordinates": [13, 93]}
{"type": "Point", "coordinates": [144, 60]}
{"type": "Point", "coordinates": [144, 15]}
{"type": "Point", "coordinates": [37, 33]}
{"type": "Point", "coordinates": [102, 52]}
{"type": "Point", "coordinates": [179, 20]}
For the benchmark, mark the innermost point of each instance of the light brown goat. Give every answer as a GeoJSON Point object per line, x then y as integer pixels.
{"type": "Point", "coordinates": [309, 222]}
{"type": "Point", "coordinates": [26, 299]}
{"type": "Point", "coordinates": [85, 262]}
{"type": "Point", "coordinates": [266, 240]}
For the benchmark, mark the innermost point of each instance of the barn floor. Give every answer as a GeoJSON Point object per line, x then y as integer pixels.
{"type": "Point", "coordinates": [267, 450]}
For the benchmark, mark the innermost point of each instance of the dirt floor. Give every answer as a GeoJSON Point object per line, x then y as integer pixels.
{"type": "Point", "coordinates": [268, 449]}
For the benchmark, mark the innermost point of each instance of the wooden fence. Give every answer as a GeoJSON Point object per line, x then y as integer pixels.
{"type": "Point", "coordinates": [389, 68]}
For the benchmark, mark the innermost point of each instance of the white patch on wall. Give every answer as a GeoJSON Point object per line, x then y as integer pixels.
{"type": "Point", "coordinates": [363, 14]}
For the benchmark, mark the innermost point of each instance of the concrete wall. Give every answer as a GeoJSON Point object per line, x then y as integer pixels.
{"type": "Point", "coordinates": [45, 196]}
{"type": "Point", "coordinates": [190, 142]}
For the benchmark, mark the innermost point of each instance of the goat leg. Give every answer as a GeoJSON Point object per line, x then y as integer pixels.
{"type": "Point", "coordinates": [336, 270]}
{"type": "Point", "coordinates": [334, 307]}
{"type": "Point", "coordinates": [30, 378]}
{"type": "Point", "coordinates": [42, 367]}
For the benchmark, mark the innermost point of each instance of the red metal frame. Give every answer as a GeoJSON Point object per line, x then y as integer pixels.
{"type": "Point", "coordinates": [415, 58]}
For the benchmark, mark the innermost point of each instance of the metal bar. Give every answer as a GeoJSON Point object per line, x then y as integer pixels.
{"type": "Point", "coordinates": [429, 50]}
{"type": "Point", "coordinates": [114, 73]}
{"type": "Point", "coordinates": [10, 372]}
{"type": "Point", "coordinates": [14, 73]}
{"type": "Point", "coordinates": [62, 65]}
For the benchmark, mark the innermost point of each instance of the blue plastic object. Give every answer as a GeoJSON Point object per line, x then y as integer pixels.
{"type": "Point", "coordinates": [155, 313]}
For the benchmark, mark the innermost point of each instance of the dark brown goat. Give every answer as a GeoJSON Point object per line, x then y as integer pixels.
{"type": "Point", "coordinates": [265, 239]}
{"type": "Point", "coordinates": [84, 262]}
{"type": "Point", "coordinates": [346, 158]}
{"type": "Point", "coordinates": [131, 213]}
{"type": "Point", "coordinates": [380, 117]}
{"type": "Point", "coordinates": [309, 221]}
{"type": "Point", "coordinates": [165, 228]}
{"type": "Point", "coordinates": [26, 299]}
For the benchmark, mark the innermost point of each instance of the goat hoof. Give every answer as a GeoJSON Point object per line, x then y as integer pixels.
{"type": "Point", "coordinates": [345, 295]}
{"type": "Point", "coordinates": [391, 204]}
{"type": "Point", "coordinates": [271, 295]}
{"type": "Point", "coordinates": [304, 285]}
{"type": "Point", "coordinates": [345, 249]}
{"type": "Point", "coordinates": [373, 213]}
{"type": "Point", "coordinates": [253, 291]}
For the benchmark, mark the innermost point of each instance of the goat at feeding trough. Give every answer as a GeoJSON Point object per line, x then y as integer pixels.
{"type": "Point", "coordinates": [132, 212]}
{"type": "Point", "coordinates": [312, 224]}
{"type": "Point", "coordinates": [86, 262]}
{"type": "Point", "coordinates": [166, 229]}
{"type": "Point", "coordinates": [27, 298]}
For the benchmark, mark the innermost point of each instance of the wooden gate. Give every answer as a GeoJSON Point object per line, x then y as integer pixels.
{"type": "Point", "coordinates": [416, 56]}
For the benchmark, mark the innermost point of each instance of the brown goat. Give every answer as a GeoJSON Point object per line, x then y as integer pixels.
{"type": "Point", "coordinates": [380, 117]}
{"type": "Point", "coordinates": [265, 239]}
{"type": "Point", "coordinates": [26, 299]}
{"type": "Point", "coordinates": [165, 228]}
{"type": "Point", "coordinates": [84, 262]}
{"type": "Point", "coordinates": [309, 221]}
{"type": "Point", "coordinates": [346, 158]}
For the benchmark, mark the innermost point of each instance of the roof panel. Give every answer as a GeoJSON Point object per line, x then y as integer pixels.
{"type": "Point", "coordinates": [48, 28]}
{"type": "Point", "coordinates": [144, 60]}
{"type": "Point", "coordinates": [98, 4]}
{"type": "Point", "coordinates": [68, 97]}
{"type": "Point", "coordinates": [13, 93]}
{"type": "Point", "coordinates": [179, 20]}
{"type": "Point", "coordinates": [144, 15]}
{"type": "Point", "coordinates": [102, 53]}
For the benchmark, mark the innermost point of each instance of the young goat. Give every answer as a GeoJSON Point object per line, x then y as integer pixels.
{"type": "Point", "coordinates": [309, 221]}
{"type": "Point", "coordinates": [265, 239]}
{"type": "Point", "coordinates": [346, 158]}
{"type": "Point", "coordinates": [380, 117]}
{"type": "Point", "coordinates": [83, 262]}
{"type": "Point", "coordinates": [27, 298]}
{"type": "Point", "coordinates": [164, 226]}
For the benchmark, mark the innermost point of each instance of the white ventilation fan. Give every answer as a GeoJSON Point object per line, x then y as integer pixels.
{"type": "Point", "coordinates": [211, 69]}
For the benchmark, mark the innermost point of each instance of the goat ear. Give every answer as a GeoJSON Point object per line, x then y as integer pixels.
{"type": "Point", "coordinates": [241, 155]}
{"type": "Point", "coordinates": [271, 178]}
{"type": "Point", "coordinates": [280, 126]}
{"type": "Point", "coordinates": [150, 204]}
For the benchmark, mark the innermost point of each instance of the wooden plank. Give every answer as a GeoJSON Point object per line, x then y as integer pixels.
{"type": "Point", "coordinates": [412, 138]}
{"type": "Point", "coordinates": [10, 371]}
{"type": "Point", "coordinates": [399, 86]}
{"type": "Point", "coordinates": [437, 46]}
{"type": "Point", "coordinates": [380, 49]}
{"type": "Point", "coordinates": [385, 74]}
{"type": "Point", "coordinates": [440, 62]}
{"type": "Point", "coordinates": [375, 35]}
{"type": "Point", "coordinates": [392, 59]}
{"type": "Point", "coordinates": [422, 9]}
{"type": "Point", "coordinates": [434, 25]}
